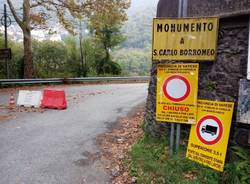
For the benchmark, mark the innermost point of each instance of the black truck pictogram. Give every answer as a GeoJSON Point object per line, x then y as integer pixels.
{"type": "Point", "coordinates": [209, 129]}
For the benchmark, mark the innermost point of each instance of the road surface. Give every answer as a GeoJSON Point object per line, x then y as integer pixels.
{"type": "Point", "coordinates": [58, 147]}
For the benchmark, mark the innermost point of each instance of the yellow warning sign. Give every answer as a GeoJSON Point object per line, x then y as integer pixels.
{"type": "Point", "coordinates": [208, 139]}
{"type": "Point", "coordinates": [177, 88]}
{"type": "Point", "coordinates": [185, 38]}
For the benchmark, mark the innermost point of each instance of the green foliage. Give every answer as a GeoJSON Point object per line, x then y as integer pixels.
{"type": "Point", "coordinates": [238, 171]}
{"type": "Point", "coordinates": [105, 23]}
{"type": "Point", "coordinates": [57, 59]}
{"type": "Point", "coordinates": [61, 59]}
{"type": "Point", "coordinates": [150, 163]}
{"type": "Point", "coordinates": [134, 54]}
{"type": "Point", "coordinates": [110, 36]}
{"type": "Point", "coordinates": [16, 63]}
{"type": "Point", "coordinates": [73, 62]}
{"type": "Point", "coordinates": [49, 59]}
{"type": "Point", "coordinates": [107, 39]}
{"type": "Point", "coordinates": [90, 55]}
{"type": "Point", "coordinates": [133, 61]}
{"type": "Point", "coordinates": [108, 67]}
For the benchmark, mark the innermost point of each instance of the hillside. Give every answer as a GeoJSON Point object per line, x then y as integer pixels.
{"type": "Point", "coordinates": [134, 55]}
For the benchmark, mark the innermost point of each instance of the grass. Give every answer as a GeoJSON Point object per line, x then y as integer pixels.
{"type": "Point", "coordinates": [150, 164]}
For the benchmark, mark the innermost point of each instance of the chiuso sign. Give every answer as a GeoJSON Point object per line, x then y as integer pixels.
{"type": "Point", "coordinates": [185, 39]}
{"type": "Point", "coordinates": [177, 87]}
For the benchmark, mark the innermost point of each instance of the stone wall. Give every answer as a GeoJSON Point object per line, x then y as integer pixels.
{"type": "Point", "coordinates": [163, 9]}
{"type": "Point", "coordinates": [218, 80]}
{"type": "Point", "coordinates": [217, 7]}
{"type": "Point", "coordinates": [169, 8]}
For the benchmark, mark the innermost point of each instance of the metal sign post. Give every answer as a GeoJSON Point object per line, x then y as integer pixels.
{"type": "Point", "coordinates": [171, 149]}
{"type": "Point", "coordinates": [182, 12]}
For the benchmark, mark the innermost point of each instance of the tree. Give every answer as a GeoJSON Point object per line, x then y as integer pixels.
{"type": "Point", "coordinates": [34, 14]}
{"type": "Point", "coordinates": [106, 20]}
{"type": "Point", "coordinates": [50, 59]}
{"type": "Point", "coordinates": [89, 56]}
{"type": "Point", "coordinates": [134, 61]}
{"type": "Point", "coordinates": [73, 56]}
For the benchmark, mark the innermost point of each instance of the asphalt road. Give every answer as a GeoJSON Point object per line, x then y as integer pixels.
{"type": "Point", "coordinates": [58, 147]}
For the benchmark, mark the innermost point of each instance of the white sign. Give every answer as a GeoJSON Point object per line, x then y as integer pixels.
{"type": "Point", "coordinates": [29, 98]}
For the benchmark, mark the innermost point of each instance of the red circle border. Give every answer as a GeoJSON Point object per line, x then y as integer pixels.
{"type": "Point", "coordinates": [198, 129]}
{"type": "Point", "coordinates": [180, 78]}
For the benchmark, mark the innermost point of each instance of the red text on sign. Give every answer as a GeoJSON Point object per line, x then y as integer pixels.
{"type": "Point", "coordinates": [175, 108]}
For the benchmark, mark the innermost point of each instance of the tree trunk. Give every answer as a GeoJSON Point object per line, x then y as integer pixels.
{"type": "Point", "coordinates": [28, 63]}
{"type": "Point", "coordinates": [27, 45]}
{"type": "Point", "coordinates": [85, 63]}
{"type": "Point", "coordinates": [82, 62]}
{"type": "Point", "coordinates": [107, 59]}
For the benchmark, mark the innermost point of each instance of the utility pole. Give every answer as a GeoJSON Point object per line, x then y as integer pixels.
{"type": "Point", "coordinates": [5, 28]}
{"type": "Point", "coordinates": [6, 40]}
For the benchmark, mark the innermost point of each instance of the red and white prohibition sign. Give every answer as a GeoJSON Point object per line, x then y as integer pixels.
{"type": "Point", "coordinates": [209, 130]}
{"type": "Point", "coordinates": [176, 88]}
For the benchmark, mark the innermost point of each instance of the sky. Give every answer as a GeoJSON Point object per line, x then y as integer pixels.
{"type": "Point", "coordinates": [142, 4]}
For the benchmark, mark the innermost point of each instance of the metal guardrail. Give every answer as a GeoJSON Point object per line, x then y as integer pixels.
{"type": "Point", "coordinates": [71, 80]}
{"type": "Point", "coordinates": [107, 79]}
{"type": "Point", "coordinates": [30, 81]}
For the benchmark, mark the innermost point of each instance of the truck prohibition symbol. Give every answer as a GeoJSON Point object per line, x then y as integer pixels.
{"type": "Point", "coordinates": [209, 129]}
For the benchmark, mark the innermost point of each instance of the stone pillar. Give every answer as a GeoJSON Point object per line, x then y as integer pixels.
{"type": "Point", "coordinates": [218, 80]}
